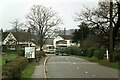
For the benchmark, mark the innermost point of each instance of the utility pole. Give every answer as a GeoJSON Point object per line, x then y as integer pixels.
{"type": "Point", "coordinates": [111, 33]}
{"type": "Point", "coordinates": [64, 31]}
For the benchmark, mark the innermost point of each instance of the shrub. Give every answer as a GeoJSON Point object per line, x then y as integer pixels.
{"type": "Point", "coordinates": [42, 53]}
{"type": "Point", "coordinates": [90, 53]}
{"type": "Point", "coordinates": [39, 54]}
{"type": "Point", "coordinates": [99, 54]}
{"type": "Point", "coordinates": [21, 53]}
{"type": "Point", "coordinates": [8, 51]}
{"type": "Point", "coordinates": [96, 53]}
{"type": "Point", "coordinates": [83, 52]}
{"type": "Point", "coordinates": [14, 68]}
{"type": "Point", "coordinates": [116, 55]}
{"type": "Point", "coordinates": [68, 51]}
{"type": "Point", "coordinates": [73, 50]}
{"type": "Point", "coordinates": [102, 52]}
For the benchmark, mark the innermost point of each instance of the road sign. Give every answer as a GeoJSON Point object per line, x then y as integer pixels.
{"type": "Point", "coordinates": [30, 52]}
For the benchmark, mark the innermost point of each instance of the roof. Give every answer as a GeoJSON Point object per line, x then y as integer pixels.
{"type": "Point", "coordinates": [4, 35]}
{"type": "Point", "coordinates": [66, 37]}
{"type": "Point", "coordinates": [49, 41]}
{"type": "Point", "coordinates": [20, 36]}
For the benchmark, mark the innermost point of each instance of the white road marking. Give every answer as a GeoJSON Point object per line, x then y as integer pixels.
{"type": "Point", "coordinates": [86, 72]}
{"type": "Point", "coordinates": [67, 60]}
{"type": "Point", "coordinates": [45, 68]}
{"type": "Point", "coordinates": [77, 67]}
{"type": "Point", "coordinates": [45, 61]}
{"type": "Point", "coordinates": [74, 63]}
{"type": "Point", "coordinates": [70, 63]}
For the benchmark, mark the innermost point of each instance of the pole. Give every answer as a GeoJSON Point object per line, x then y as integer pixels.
{"type": "Point", "coordinates": [111, 33]}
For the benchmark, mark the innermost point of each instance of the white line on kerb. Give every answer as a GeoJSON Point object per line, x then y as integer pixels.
{"type": "Point", "coordinates": [45, 69]}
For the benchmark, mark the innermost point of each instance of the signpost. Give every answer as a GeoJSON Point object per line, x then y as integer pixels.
{"type": "Point", "coordinates": [30, 52]}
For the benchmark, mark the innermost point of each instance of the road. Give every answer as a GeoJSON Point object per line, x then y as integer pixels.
{"type": "Point", "coordinates": [74, 67]}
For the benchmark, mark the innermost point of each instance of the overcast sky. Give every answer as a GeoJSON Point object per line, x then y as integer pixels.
{"type": "Point", "coordinates": [66, 9]}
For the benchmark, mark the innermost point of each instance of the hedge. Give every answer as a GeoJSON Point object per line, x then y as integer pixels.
{"type": "Point", "coordinates": [73, 50]}
{"type": "Point", "coordinates": [99, 54]}
{"type": "Point", "coordinates": [38, 55]}
{"type": "Point", "coordinates": [8, 51]}
{"type": "Point", "coordinates": [13, 69]}
{"type": "Point", "coordinates": [83, 52]}
{"type": "Point", "coordinates": [116, 55]}
{"type": "Point", "coordinates": [90, 53]}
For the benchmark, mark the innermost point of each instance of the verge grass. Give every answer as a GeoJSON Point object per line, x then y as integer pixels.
{"type": "Point", "coordinates": [7, 57]}
{"type": "Point", "coordinates": [27, 72]}
{"type": "Point", "coordinates": [103, 62]}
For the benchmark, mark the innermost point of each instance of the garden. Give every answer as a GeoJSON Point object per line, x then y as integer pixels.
{"type": "Point", "coordinates": [15, 66]}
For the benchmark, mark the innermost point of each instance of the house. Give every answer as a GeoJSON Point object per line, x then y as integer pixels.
{"type": "Point", "coordinates": [1, 37]}
{"type": "Point", "coordinates": [0, 41]}
{"type": "Point", "coordinates": [63, 41]}
{"type": "Point", "coordinates": [49, 41]}
{"type": "Point", "coordinates": [11, 40]}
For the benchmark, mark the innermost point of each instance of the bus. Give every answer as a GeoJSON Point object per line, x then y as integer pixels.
{"type": "Point", "coordinates": [49, 49]}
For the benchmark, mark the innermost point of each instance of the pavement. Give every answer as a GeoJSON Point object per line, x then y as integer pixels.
{"type": "Point", "coordinates": [39, 70]}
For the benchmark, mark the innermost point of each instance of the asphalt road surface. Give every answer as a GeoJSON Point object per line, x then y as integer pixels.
{"type": "Point", "coordinates": [74, 67]}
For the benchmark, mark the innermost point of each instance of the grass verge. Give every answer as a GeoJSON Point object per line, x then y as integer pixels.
{"type": "Point", "coordinates": [9, 51]}
{"type": "Point", "coordinates": [103, 62]}
{"type": "Point", "coordinates": [0, 59]}
{"type": "Point", "coordinates": [27, 72]}
{"type": "Point", "coordinates": [8, 57]}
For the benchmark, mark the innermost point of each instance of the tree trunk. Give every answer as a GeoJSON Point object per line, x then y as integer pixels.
{"type": "Point", "coordinates": [41, 48]}
{"type": "Point", "coordinates": [110, 51]}
{"type": "Point", "coordinates": [117, 26]}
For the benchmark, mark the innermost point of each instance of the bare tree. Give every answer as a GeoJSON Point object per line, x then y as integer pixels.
{"type": "Point", "coordinates": [16, 25]}
{"type": "Point", "coordinates": [43, 20]}
{"type": "Point", "coordinates": [100, 18]}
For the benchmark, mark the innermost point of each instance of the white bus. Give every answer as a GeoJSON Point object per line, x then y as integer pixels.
{"type": "Point", "coordinates": [49, 49]}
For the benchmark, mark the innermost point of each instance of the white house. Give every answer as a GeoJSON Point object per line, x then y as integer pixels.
{"type": "Point", "coordinates": [63, 41]}
{"type": "Point", "coordinates": [0, 37]}
{"type": "Point", "coordinates": [20, 39]}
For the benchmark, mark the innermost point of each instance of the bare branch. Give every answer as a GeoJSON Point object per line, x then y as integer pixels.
{"type": "Point", "coordinates": [42, 20]}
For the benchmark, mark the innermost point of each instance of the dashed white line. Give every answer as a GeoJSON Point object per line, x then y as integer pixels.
{"type": "Point", "coordinates": [86, 72]}
{"type": "Point", "coordinates": [67, 60]}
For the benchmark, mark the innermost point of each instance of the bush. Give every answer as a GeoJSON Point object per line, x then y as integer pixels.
{"type": "Point", "coordinates": [102, 52]}
{"type": "Point", "coordinates": [69, 51]}
{"type": "Point", "coordinates": [43, 53]}
{"type": "Point", "coordinates": [83, 53]}
{"type": "Point", "coordinates": [73, 50]}
{"type": "Point", "coordinates": [39, 54]}
{"type": "Point", "coordinates": [96, 53]}
{"type": "Point", "coordinates": [14, 68]}
{"type": "Point", "coordinates": [8, 51]}
{"type": "Point", "coordinates": [116, 55]}
{"type": "Point", "coordinates": [99, 54]}
{"type": "Point", "coordinates": [21, 53]}
{"type": "Point", "coordinates": [90, 53]}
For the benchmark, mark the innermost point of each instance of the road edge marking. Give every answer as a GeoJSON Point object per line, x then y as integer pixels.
{"type": "Point", "coordinates": [45, 68]}
{"type": "Point", "coordinates": [67, 60]}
